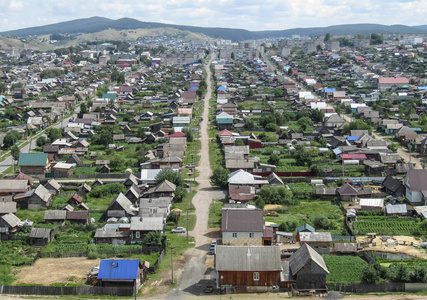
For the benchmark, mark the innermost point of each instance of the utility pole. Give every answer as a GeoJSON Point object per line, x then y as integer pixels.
{"type": "Point", "coordinates": [172, 262]}
{"type": "Point", "coordinates": [187, 225]}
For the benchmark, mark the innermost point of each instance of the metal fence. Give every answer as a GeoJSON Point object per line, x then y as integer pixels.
{"type": "Point", "coordinates": [55, 290]}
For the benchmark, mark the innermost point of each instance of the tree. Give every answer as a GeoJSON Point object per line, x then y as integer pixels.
{"type": "Point", "coordinates": [54, 133]}
{"type": "Point", "coordinates": [11, 138]}
{"type": "Point", "coordinates": [399, 272]}
{"type": "Point", "coordinates": [188, 133]}
{"type": "Point", "coordinates": [170, 175]}
{"type": "Point", "coordinates": [271, 127]}
{"type": "Point", "coordinates": [232, 55]}
{"type": "Point", "coordinates": [117, 163]}
{"type": "Point", "coordinates": [249, 124]}
{"type": "Point", "coordinates": [260, 203]}
{"type": "Point", "coordinates": [356, 125]}
{"type": "Point", "coordinates": [14, 151]}
{"type": "Point", "coordinates": [41, 141]}
{"type": "Point", "coordinates": [273, 159]}
{"type": "Point", "coordinates": [220, 177]}
{"type": "Point", "coordinates": [153, 238]}
{"type": "Point", "coordinates": [275, 195]}
{"type": "Point", "coordinates": [250, 92]}
{"type": "Point", "coordinates": [370, 275]}
{"type": "Point", "coordinates": [419, 274]}
{"type": "Point", "coordinates": [83, 109]}
{"type": "Point", "coordinates": [180, 193]}
{"type": "Point", "coordinates": [317, 115]}
{"type": "Point", "coordinates": [327, 37]}
{"type": "Point", "coordinates": [239, 142]}
{"type": "Point", "coordinates": [305, 123]}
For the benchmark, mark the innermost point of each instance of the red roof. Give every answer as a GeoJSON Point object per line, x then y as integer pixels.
{"type": "Point", "coordinates": [176, 134]}
{"type": "Point", "coordinates": [394, 80]}
{"type": "Point", "coordinates": [353, 156]}
{"type": "Point", "coordinates": [225, 132]}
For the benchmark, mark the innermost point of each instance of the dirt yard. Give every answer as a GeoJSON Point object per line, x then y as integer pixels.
{"type": "Point", "coordinates": [400, 248]}
{"type": "Point", "coordinates": [52, 270]}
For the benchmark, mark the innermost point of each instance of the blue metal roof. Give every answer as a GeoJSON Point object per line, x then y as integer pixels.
{"type": "Point", "coordinates": [119, 269]}
{"type": "Point", "coordinates": [353, 138]}
{"type": "Point", "coordinates": [328, 90]}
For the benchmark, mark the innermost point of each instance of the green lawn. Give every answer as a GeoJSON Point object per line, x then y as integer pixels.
{"type": "Point", "coordinates": [215, 211]}
{"type": "Point", "coordinates": [183, 221]}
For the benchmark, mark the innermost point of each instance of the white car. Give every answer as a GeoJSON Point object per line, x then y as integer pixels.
{"type": "Point", "coordinates": [178, 230]}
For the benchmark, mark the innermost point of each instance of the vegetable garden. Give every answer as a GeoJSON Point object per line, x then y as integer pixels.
{"type": "Point", "coordinates": [344, 269]}
{"type": "Point", "coordinates": [389, 226]}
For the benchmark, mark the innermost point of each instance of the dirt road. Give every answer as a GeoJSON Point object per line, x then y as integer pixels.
{"type": "Point", "coordinates": [195, 269]}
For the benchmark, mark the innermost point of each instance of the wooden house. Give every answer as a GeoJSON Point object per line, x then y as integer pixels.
{"type": "Point", "coordinates": [53, 186]}
{"type": "Point", "coordinates": [131, 180]}
{"type": "Point", "coordinates": [75, 200]}
{"type": "Point", "coordinates": [140, 226]}
{"type": "Point", "coordinates": [40, 236]}
{"type": "Point", "coordinates": [319, 241]}
{"type": "Point", "coordinates": [248, 266]}
{"type": "Point", "coordinates": [308, 269]}
{"type": "Point", "coordinates": [34, 199]}
{"type": "Point", "coordinates": [84, 189]}
{"type": "Point", "coordinates": [133, 193]}
{"type": "Point", "coordinates": [55, 216]}
{"type": "Point", "coordinates": [9, 224]}
{"type": "Point", "coordinates": [78, 217]}
{"type": "Point", "coordinates": [163, 189]}
{"type": "Point", "coordinates": [13, 187]}
{"type": "Point", "coordinates": [34, 164]}
{"type": "Point", "coordinates": [121, 207]}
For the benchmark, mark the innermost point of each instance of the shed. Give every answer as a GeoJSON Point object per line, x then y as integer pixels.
{"type": "Point", "coordinates": [121, 272]}
{"type": "Point", "coordinates": [396, 210]}
{"type": "Point", "coordinates": [40, 236]}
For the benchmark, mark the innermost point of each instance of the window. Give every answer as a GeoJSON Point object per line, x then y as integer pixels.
{"type": "Point", "coordinates": [251, 235]}
{"type": "Point", "coordinates": [234, 235]}
{"type": "Point", "coordinates": [137, 234]}
{"type": "Point", "coordinates": [256, 275]}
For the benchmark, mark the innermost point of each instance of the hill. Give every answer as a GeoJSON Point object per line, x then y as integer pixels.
{"type": "Point", "coordinates": [98, 24]}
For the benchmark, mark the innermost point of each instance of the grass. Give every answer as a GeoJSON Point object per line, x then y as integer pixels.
{"type": "Point", "coordinates": [344, 269]}
{"type": "Point", "coordinates": [185, 203]}
{"type": "Point", "coordinates": [191, 221]}
{"type": "Point", "coordinates": [215, 155]}
{"type": "Point", "coordinates": [215, 211]}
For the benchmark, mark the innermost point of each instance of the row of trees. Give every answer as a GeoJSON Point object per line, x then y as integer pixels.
{"type": "Point", "coordinates": [396, 272]}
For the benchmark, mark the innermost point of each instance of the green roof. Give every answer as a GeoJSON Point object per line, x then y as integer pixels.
{"type": "Point", "coordinates": [32, 159]}
{"type": "Point", "coordinates": [224, 121]}
{"type": "Point", "coordinates": [305, 228]}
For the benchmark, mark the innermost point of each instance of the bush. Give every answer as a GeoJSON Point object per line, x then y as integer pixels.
{"type": "Point", "coordinates": [107, 189]}
{"type": "Point", "coordinates": [220, 177]}
{"type": "Point", "coordinates": [370, 275]}
{"type": "Point", "coordinates": [92, 255]}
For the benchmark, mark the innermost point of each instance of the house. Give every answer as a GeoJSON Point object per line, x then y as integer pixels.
{"type": "Point", "coordinates": [224, 121]}
{"type": "Point", "coordinates": [63, 170]}
{"type": "Point", "coordinates": [140, 226]}
{"type": "Point", "coordinates": [53, 216]}
{"type": "Point", "coordinates": [34, 199]}
{"type": "Point", "coordinates": [350, 193]}
{"type": "Point", "coordinates": [115, 234]}
{"type": "Point", "coordinates": [305, 228]}
{"type": "Point", "coordinates": [121, 207]}
{"type": "Point", "coordinates": [416, 186]}
{"type": "Point", "coordinates": [13, 187]}
{"type": "Point", "coordinates": [78, 217]}
{"type": "Point", "coordinates": [121, 273]}
{"type": "Point", "coordinates": [273, 179]}
{"type": "Point", "coordinates": [131, 180]}
{"type": "Point", "coordinates": [84, 189]}
{"type": "Point", "coordinates": [9, 224]}
{"type": "Point", "coordinates": [163, 189]}
{"type": "Point", "coordinates": [393, 186]}
{"type": "Point", "coordinates": [247, 266]}
{"type": "Point", "coordinates": [7, 206]}
{"type": "Point", "coordinates": [371, 204]}
{"type": "Point", "coordinates": [22, 176]}
{"type": "Point", "coordinates": [53, 186]}
{"type": "Point", "coordinates": [405, 134]}
{"type": "Point", "coordinates": [74, 159]}
{"type": "Point", "coordinates": [40, 236]}
{"type": "Point", "coordinates": [155, 207]}
{"type": "Point", "coordinates": [133, 193]}
{"type": "Point", "coordinates": [75, 200]}
{"type": "Point", "coordinates": [386, 83]}
{"type": "Point", "coordinates": [308, 268]}
{"type": "Point", "coordinates": [345, 248]}
{"type": "Point", "coordinates": [242, 227]}
{"type": "Point", "coordinates": [241, 193]}
{"type": "Point", "coordinates": [319, 241]}
{"type": "Point", "coordinates": [34, 164]}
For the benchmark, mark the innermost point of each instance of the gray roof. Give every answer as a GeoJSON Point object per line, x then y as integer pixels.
{"type": "Point", "coordinates": [242, 220]}
{"type": "Point", "coordinates": [40, 233]}
{"type": "Point", "coordinates": [248, 258]}
{"type": "Point", "coordinates": [55, 214]}
{"type": "Point", "coordinates": [125, 203]}
{"type": "Point", "coordinates": [111, 233]}
{"type": "Point", "coordinates": [11, 220]}
{"type": "Point", "coordinates": [396, 209]}
{"type": "Point", "coordinates": [417, 180]}
{"type": "Point", "coordinates": [13, 185]}
{"type": "Point", "coordinates": [54, 184]}
{"type": "Point", "coordinates": [315, 237]}
{"type": "Point", "coordinates": [345, 247]}
{"type": "Point", "coordinates": [164, 186]}
{"type": "Point", "coordinates": [305, 255]}
{"type": "Point", "coordinates": [7, 207]}
{"type": "Point", "coordinates": [154, 202]}
{"type": "Point", "coordinates": [147, 224]}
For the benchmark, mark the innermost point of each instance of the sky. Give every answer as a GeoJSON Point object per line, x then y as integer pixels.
{"type": "Point", "coordinates": [244, 14]}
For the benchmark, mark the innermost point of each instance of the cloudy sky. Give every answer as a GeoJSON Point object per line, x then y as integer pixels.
{"type": "Point", "coordinates": [245, 14]}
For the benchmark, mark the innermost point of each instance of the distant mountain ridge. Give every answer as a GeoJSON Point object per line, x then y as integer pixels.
{"type": "Point", "coordinates": [96, 24]}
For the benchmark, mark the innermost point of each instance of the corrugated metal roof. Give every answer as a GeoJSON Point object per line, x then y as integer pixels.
{"type": "Point", "coordinates": [33, 159]}
{"type": "Point", "coordinates": [247, 258]}
{"type": "Point", "coordinates": [120, 269]}
{"type": "Point", "coordinates": [396, 209]}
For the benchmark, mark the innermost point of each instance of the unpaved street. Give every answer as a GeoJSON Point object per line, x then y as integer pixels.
{"type": "Point", "coordinates": [195, 269]}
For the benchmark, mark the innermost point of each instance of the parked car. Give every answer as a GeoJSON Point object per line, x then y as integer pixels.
{"type": "Point", "coordinates": [178, 230]}
{"type": "Point", "coordinates": [211, 250]}
{"type": "Point", "coordinates": [213, 243]}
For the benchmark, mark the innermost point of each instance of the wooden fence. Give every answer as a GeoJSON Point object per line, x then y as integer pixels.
{"type": "Point", "coordinates": [112, 253]}
{"type": "Point", "coordinates": [100, 176]}
{"type": "Point", "coordinates": [78, 290]}
{"type": "Point", "coordinates": [158, 261]}
{"type": "Point", "coordinates": [363, 288]}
